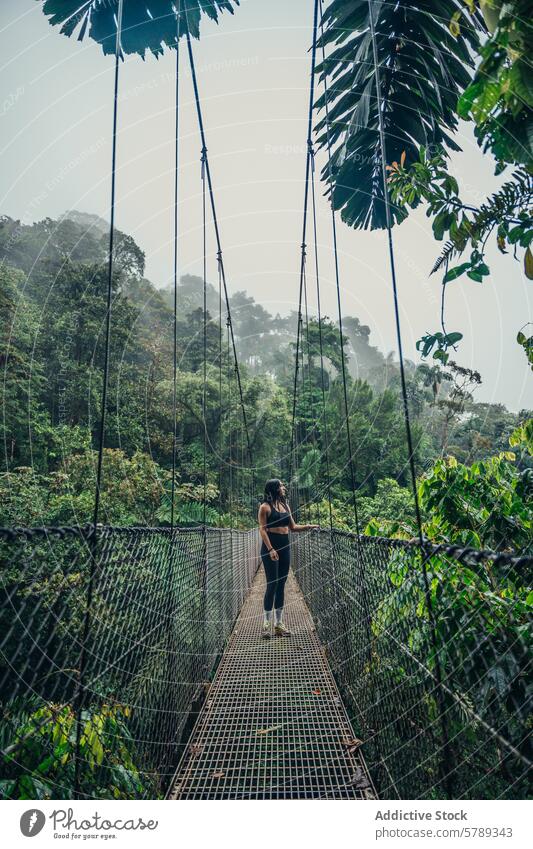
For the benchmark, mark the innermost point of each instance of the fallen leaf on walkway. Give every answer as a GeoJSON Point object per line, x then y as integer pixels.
{"type": "Point", "coordinates": [317, 692]}
{"type": "Point", "coordinates": [268, 730]}
{"type": "Point", "coordinates": [218, 774]}
{"type": "Point", "coordinates": [195, 750]}
{"type": "Point", "coordinates": [352, 744]}
{"type": "Point", "coordinates": [359, 780]}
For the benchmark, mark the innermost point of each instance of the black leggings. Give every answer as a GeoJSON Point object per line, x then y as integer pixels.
{"type": "Point", "coordinates": [276, 570]}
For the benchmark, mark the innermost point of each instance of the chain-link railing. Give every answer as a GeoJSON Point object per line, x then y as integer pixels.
{"type": "Point", "coordinates": [107, 643]}
{"type": "Point", "coordinates": [431, 648]}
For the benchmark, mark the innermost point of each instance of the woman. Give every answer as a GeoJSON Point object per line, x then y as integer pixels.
{"type": "Point", "coordinates": [275, 522]}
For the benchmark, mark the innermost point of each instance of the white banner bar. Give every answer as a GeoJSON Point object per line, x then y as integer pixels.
{"type": "Point", "coordinates": [258, 824]}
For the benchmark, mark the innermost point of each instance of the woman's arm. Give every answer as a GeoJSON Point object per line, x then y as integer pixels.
{"type": "Point", "coordinates": [297, 528]}
{"type": "Point", "coordinates": [264, 512]}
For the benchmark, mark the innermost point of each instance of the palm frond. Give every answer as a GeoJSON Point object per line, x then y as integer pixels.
{"type": "Point", "coordinates": [423, 69]}
{"type": "Point", "coordinates": [146, 25]}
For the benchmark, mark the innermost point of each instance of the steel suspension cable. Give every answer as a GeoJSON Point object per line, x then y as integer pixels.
{"type": "Point", "coordinates": [220, 335]}
{"type": "Point", "coordinates": [293, 461]}
{"type": "Point", "coordinates": [204, 406]}
{"type": "Point", "coordinates": [360, 552]}
{"type": "Point", "coordinates": [424, 555]}
{"type": "Point", "coordinates": [230, 455]}
{"type": "Point", "coordinates": [218, 241]}
{"type": "Point", "coordinates": [105, 384]}
{"type": "Point", "coordinates": [320, 340]}
{"type": "Point", "coordinates": [306, 384]}
{"type": "Point", "coordinates": [172, 549]}
{"type": "Point", "coordinates": [312, 427]}
{"type": "Point", "coordinates": [175, 333]}
{"type": "Point", "coordinates": [388, 219]}
{"type": "Point", "coordinates": [304, 235]}
{"type": "Point", "coordinates": [79, 697]}
{"type": "Point", "coordinates": [204, 335]}
{"type": "Point", "coordinates": [337, 285]}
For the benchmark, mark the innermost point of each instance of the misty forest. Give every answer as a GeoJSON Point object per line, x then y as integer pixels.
{"type": "Point", "coordinates": [52, 324]}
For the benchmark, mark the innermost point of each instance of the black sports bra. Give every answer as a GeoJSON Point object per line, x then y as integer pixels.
{"type": "Point", "coordinates": [277, 519]}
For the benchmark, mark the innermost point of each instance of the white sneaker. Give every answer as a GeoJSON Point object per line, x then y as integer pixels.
{"type": "Point", "coordinates": [267, 631]}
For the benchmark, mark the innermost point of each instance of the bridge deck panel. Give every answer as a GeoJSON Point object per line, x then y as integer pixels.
{"type": "Point", "coordinates": [273, 725]}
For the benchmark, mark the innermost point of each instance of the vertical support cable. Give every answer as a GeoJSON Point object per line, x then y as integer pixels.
{"type": "Point", "coordinates": [292, 450]}
{"type": "Point", "coordinates": [337, 286]}
{"type": "Point", "coordinates": [79, 698]}
{"type": "Point", "coordinates": [217, 237]}
{"type": "Point", "coordinates": [118, 50]}
{"type": "Point", "coordinates": [175, 331]}
{"type": "Point", "coordinates": [220, 335]}
{"type": "Point", "coordinates": [322, 380]}
{"type": "Point", "coordinates": [388, 218]}
{"type": "Point", "coordinates": [230, 447]}
{"type": "Point", "coordinates": [306, 507]}
{"type": "Point", "coordinates": [230, 441]}
{"type": "Point", "coordinates": [320, 339]}
{"type": "Point", "coordinates": [447, 760]}
{"type": "Point", "coordinates": [205, 576]}
{"type": "Point", "coordinates": [304, 382]}
{"type": "Point", "coordinates": [359, 549]}
{"type": "Point", "coordinates": [204, 330]}
{"type": "Point", "coordinates": [171, 650]}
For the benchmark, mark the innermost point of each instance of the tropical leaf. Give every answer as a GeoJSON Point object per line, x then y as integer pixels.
{"type": "Point", "coordinates": [510, 205]}
{"type": "Point", "coordinates": [528, 264]}
{"type": "Point", "coordinates": [147, 24]}
{"type": "Point", "coordinates": [423, 70]}
{"type": "Point", "coordinates": [500, 97]}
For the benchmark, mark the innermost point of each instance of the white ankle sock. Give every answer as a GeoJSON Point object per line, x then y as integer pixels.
{"type": "Point", "coordinates": [267, 614]}
{"type": "Point", "coordinates": [279, 614]}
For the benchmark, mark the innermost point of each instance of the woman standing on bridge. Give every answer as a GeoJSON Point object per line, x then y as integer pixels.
{"type": "Point", "coordinates": [275, 522]}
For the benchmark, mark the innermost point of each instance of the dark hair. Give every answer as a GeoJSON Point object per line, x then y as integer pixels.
{"type": "Point", "coordinates": [272, 492]}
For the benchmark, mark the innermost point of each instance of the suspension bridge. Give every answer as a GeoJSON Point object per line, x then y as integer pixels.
{"type": "Point", "coordinates": [132, 658]}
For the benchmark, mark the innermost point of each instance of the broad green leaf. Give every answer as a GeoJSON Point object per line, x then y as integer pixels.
{"type": "Point", "coordinates": [454, 273]}
{"type": "Point", "coordinates": [528, 264]}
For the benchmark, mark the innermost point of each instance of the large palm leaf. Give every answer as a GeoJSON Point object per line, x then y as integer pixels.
{"type": "Point", "coordinates": [146, 25]}
{"type": "Point", "coordinates": [423, 68]}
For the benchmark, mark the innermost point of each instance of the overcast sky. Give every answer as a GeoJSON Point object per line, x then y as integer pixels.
{"type": "Point", "coordinates": [56, 108]}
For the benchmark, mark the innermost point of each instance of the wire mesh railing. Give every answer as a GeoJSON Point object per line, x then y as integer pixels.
{"type": "Point", "coordinates": [107, 642]}
{"type": "Point", "coordinates": [436, 672]}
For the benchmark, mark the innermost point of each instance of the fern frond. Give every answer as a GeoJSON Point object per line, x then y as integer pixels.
{"type": "Point", "coordinates": [448, 252]}
{"type": "Point", "coordinates": [512, 199]}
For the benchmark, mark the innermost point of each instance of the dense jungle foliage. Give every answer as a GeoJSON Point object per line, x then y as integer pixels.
{"type": "Point", "coordinates": [52, 283]}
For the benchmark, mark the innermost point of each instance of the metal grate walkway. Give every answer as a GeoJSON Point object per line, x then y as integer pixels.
{"type": "Point", "coordinates": [273, 725]}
